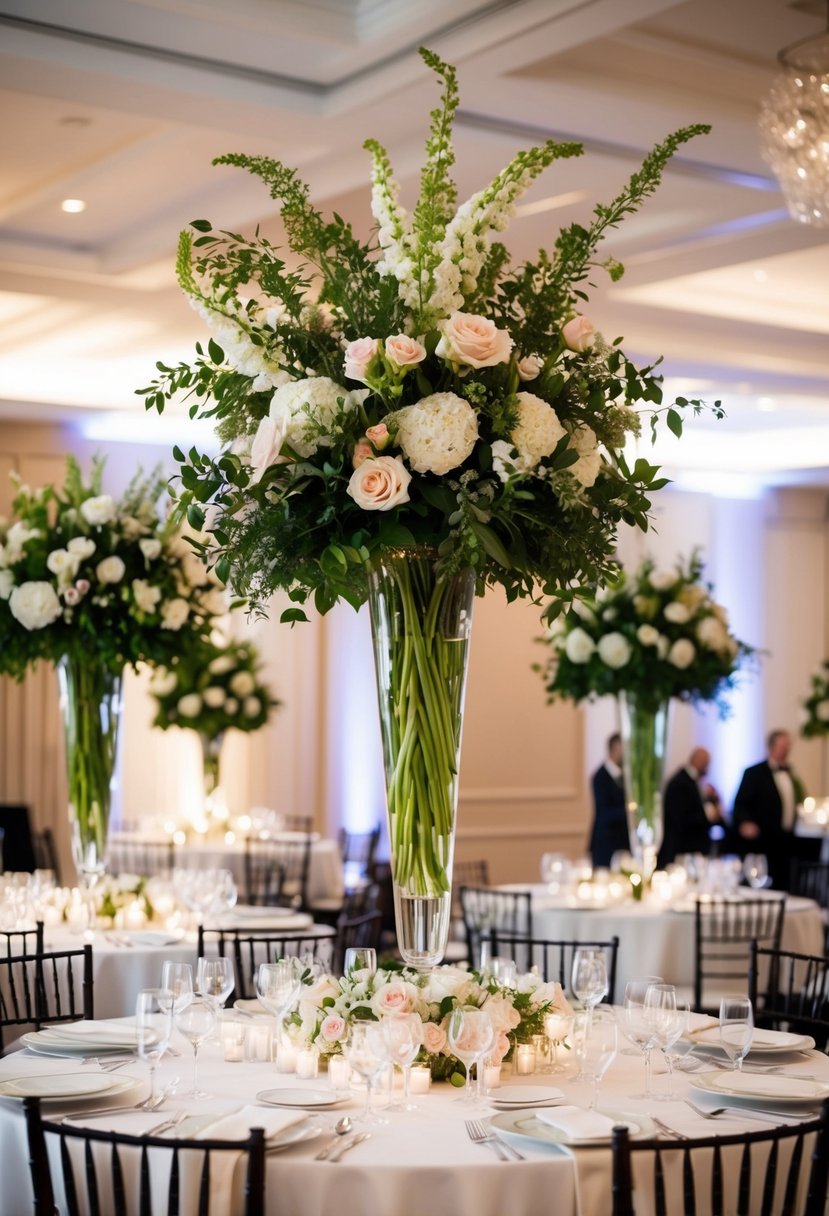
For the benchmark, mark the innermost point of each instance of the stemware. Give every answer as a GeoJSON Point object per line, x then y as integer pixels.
{"type": "Point", "coordinates": [636, 1025]}
{"type": "Point", "coordinates": [367, 1054]}
{"type": "Point", "coordinates": [666, 1020]}
{"type": "Point", "coordinates": [196, 1020]}
{"type": "Point", "coordinates": [672, 1035]}
{"type": "Point", "coordinates": [736, 1028]}
{"type": "Point", "coordinates": [557, 1027]}
{"type": "Point", "coordinates": [404, 1032]}
{"type": "Point", "coordinates": [154, 1025]}
{"type": "Point", "coordinates": [504, 970]}
{"type": "Point", "coordinates": [278, 986]}
{"type": "Point", "coordinates": [360, 962]}
{"type": "Point", "coordinates": [471, 1034]}
{"type": "Point", "coordinates": [177, 979]}
{"type": "Point", "coordinates": [215, 979]}
{"type": "Point", "coordinates": [756, 870]}
{"type": "Point", "coordinates": [596, 1041]}
{"type": "Point", "coordinates": [588, 978]}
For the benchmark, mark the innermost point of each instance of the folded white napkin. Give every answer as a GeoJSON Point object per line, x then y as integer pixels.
{"type": "Point", "coordinates": [578, 1124]}
{"type": "Point", "coordinates": [237, 1125]}
{"type": "Point", "coordinates": [154, 938]}
{"type": "Point", "coordinates": [116, 1031]}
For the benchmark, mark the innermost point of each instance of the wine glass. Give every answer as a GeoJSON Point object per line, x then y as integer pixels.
{"type": "Point", "coordinates": [471, 1034]}
{"type": "Point", "coordinates": [636, 1025]}
{"type": "Point", "coordinates": [367, 1054]}
{"type": "Point", "coordinates": [504, 970]}
{"type": "Point", "coordinates": [588, 978]}
{"type": "Point", "coordinates": [196, 1020]}
{"type": "Point", "coordinates": [154, 1025]}
{"type": "Point", "coordinates": [597, 1041]}
{"type": "Point", "coordinates": [661, 1016]}
{"type": "Point", "coordinates": [736, 1028]}
{"type": "Point", "coordinates": [278, 986]}
{"type": "Point", "coordinates": [403, 1033]}
{"type": "Point", "coordinates": [672, 1034]}
{"type": "Point", "coordinates": [756, 870]}
{"type": "Point", "coordinates": [224, 893]}
{"type": "Point", "coordinates": [360, 963]}
{"type": "Point", "coordinates": [177, 979]}
{"type": "Point", "coordinates": [215, 979]}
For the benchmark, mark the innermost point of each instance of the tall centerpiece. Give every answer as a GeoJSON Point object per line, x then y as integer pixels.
{"type": "Point", "coordinates": [91, 585]}
{"type": "Point", "coordinates": [211, 687]}
{"type": "Point", "coordinates": [405, 419]}
{"type": "Point", "coordinates": [650, 637]}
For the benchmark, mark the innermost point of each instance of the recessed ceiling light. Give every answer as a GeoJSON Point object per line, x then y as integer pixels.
{"type": "Point", "coordinates": [73, 205]}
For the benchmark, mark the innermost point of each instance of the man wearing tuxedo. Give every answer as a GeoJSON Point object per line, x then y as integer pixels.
{"type": "Point", "coordinates": [690, 807]}
{"type": "Point", "coordinates": [766, 806]}
{"type": "Point", "coordinates": [609, 834]}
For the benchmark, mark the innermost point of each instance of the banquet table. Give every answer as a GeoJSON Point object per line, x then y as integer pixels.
{"type": "Point", "coordinates": [654, 939]}
{"type": "Point", "coordinates": [419, 1161]}
{"type": "Point", "coordinates": [326, 880]}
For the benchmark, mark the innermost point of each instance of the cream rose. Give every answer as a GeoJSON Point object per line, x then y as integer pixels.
{"type": "Point", "coordinates": [222, 665]}
{"type": "Point", "coordinates": [662, 580]}
{"type": "Point", "coordinates": [473, 341]}
{"type": "Point", "coordinates": [682, 654]}
{"type": "Point", "coordinates": [358, 357]}
{"type": "Point", "coordinates": [34, 605]}
{"type": "Point", "coordinates": [579, 646]}
{"type": "Point", "coordinates": [433, 1037]}
{"type": "Point", "coordinates": [231, 705]}
{"type": "Point", "coordinates": [578, 334]}
{"type": "Point", "coordinates": [111, 570]}
{"type": "Point", "coordinates": [146, 596]}
{"type": "Point", "coordinates": [189, 705]}
{"type": "Point", "coordinates": [98, 510]}
{"type": "Point", "coordinates": [380, 483]}
{"type": "Point", "coordinates": [174, 613]}
{"type": "Point", "coordinates": [404, 351]}
{"type": "Point", "coordinates": [614, 650]}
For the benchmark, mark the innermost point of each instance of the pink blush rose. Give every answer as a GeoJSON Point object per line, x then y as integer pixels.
{"type": "Point", "coordinates": [578, 334]}
{"type": "Point", "coordinates": [529, 367]}
{"type": "Point", "coordinates": [333, 1028]}
{"type": "Point", "coordinates": [473, 341]}
{"type": "Point", "coordinates": [380, 483]}
{"type": "Point", "coordinates": [433, 1038]}
{"type": "Point", "coordinates": [404, 351]}
{"type": "Point", "coordinates": [499, 1048]}
{"type": "Point", "coordinates": [362, 451]}
{"type": "Point", "coordinates": [378, 436]}
{"type": "Point", "coordinates": [393, 998]}
{"type": "Point", "coordinates": [358, 356]}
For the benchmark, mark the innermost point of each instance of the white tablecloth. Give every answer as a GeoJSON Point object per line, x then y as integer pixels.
{"type": "Point", "coordinates": [420, 1162]}
{"type": "Point", "coordinates": [325, 871]}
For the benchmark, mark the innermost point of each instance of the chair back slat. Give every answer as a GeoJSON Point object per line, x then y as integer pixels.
{"type": "Point", "coordinates": [553, 958]}
{"type": "Point", "coordinates": [92, 1193]}
{"type": "Point", "coordinates": [485, 908]}
{"type": "Point", "coordinates": [689, 1191]}
{"type": "Point", "coordinates": [68, 1182]}
{"type": "Point", "coordinates": [129, 853]}
{"type": "Point", "coordinates": [723, 931]}
{"type": "Point", "coordinates": [119, 1194]}
{"type": "Point", "coordinates": [204, 1187]}
{"type": "Point", "coordinates": [41, 987]}
{"type": "Point", "coordinates": [790, 991]}
{"type": "Point", "coordinates": [174, 1197]}
{"type": "Point", "coordinates": [248, 950]}
{"type": "Point", "coordinates": [145, 1195]}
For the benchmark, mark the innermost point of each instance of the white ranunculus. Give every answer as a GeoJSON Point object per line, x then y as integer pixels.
{"type": "Point", "coordinates": [242, 684]}
{"type": "Point", "coordinates": [98, 510]}
{"type": "Point", "coordinates": [251, 707]}
{"type": "Point", "coordinates": [35, 605]}
{"type": "Point", "coordinates": [712, 634]}
{"type": "Point", "coordinates": [81, 547]}
{"type": "Point", "coordinates": [222, 665]}
{"type": "Point", "coordinates": [614, 650]}
{"type": "Point", "coordinates": [579, 646]}
{"type": "Point", "coordinates": [682, 653]}
{"type": "Point", "coordinates": [150, 546]}
{"type": "Point", "coordinates": [662, 580]}
{"type": "Point", "coordinates": [62, 563]}
{"type": "Point", "coordinates": [189, 705]}
{"type": "Point", "coordinates": [676, 613]}
{"type": "Point", "coordinates": [6, 584]}
{"type": "Point", "coordinates": [647, 635]}
{"type": "Point", "coordinates": [110, 570]}
{"type": "Point", "coordinates": [214, 697]}
{"type": "Point", "coordinates": [163, 682]}
{"type": "Point", "coordinates": [174, 613]}
{"type": "Point", "coordinates": [146, 595]}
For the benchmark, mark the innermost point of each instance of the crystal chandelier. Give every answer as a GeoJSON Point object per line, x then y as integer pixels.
{"type": "Point", "coordinates": [794, 126]}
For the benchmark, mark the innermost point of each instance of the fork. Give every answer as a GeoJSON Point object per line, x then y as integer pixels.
{"type": "Point", "coordinates": [739, 1113]}
{"type": "Point", "coordinates": [669, 1131]}
{"type": "Point", "coordinates": [167, 1124]}
{"type": "Point", "coordinates": [480, 1135]}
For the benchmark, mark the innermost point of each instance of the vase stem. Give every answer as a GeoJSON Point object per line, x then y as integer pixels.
{"type": "Point", "coordinates": [644, 740]}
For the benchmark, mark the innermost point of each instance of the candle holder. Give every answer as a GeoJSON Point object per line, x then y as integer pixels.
{"type": "Point", "coordinates": [525, 1059]}
{"type": "Point", "coordinates": [339, 1074]}
{"type": "Point", "coordinates": [307, 1063]}
{"type": "Point", "coordinates": [420, 1079]}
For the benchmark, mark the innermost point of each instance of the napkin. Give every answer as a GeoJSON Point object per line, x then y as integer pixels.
{"type": "Point", "coordinates": [114, 1031]}
{"type": "Point", "coordinates": [155, 939]}
{"type": "Point", "coordinates": [578, 1124]}
{"type": "Point", "coordinates": [225, 1180]}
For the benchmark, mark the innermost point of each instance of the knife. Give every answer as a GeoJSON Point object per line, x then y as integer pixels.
{"type": "Point", "coordinates": [348, 1145]}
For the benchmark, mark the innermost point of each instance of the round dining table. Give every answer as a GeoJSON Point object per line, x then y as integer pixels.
{"type": "Point", "coordinates": [416, 1161]}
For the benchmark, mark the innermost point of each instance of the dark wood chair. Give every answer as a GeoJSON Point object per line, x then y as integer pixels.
{"type": "Point", "coordinates": [298, 823]}
{"type": "Point", "coordinates": [811, 880]}
{"type": "Point", "coordinates": [357, 850]}
{"type": "Point", "coordinates": [723, 931]}
{"type": "Point", "coordinates": [97, 1178]}
{"type": "Point", "coordinates": [22, 941]}
{"type": "Point", "coordinates": [129, 854]}
{"type": "Point", "coordinates": [276, 871]}
{"type": "Point", "coordinates": [473, 873]}
{"type": "Point", "coordinates": [788, 1166]}
{"type": "Point", "coordinates": [554, 959]}
{"type": "Point", "coordinates": [357, 932]}
{"type": "Point", "coordinates": [249, 949]}
{"type": "Point", "coordinates": [790, 991]}
{"type": "Point", "coordinates": [484, 909]}
{"type": "Point", "coordinates": [51, 986]}
{"type": "Point", "coordinates": [46, 854]}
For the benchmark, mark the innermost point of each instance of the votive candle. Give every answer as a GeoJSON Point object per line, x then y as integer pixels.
{"type": "Point", "coordinates": [492, 1076]}
{"type": "Point", "coordinates": [258, 1043]}
{"type": "Point", "coordinates": [307, 1063]}
{"type": "Point", "coordinates": [420, 1078]}
{"type": "Point", "coordinates": [525, 1059]}
{"type": "Point", "coordinates": [233, 1040]}
{"type": "Point", "coordinates": [339, 1072]}
{"type": "Point", "coordinates": [285, 1057]}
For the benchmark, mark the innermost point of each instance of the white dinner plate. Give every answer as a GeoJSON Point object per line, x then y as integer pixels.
{"type": "Point", "coordinates": [154, 938]}
{"type": "Point", "coordinates": [525, 1095]}
{"type": "Point", "coordinates": [525, 1123]}
{"type": "Point", "coordinates": [763, 1042]}
{"type": "Point", "coordinates": [69, 1051]}
{"type": "Point", "coordinates": [59, 1086]}
{"type": "Point", "coordinates": [253, 1006]}
{"type": "Point", "coordinates": [297, 1134]}
{"type": "Point", "coordinates": [299, 1097]}
{"type": "Point", "coordinates": [271, 918]}
{"type": "Point", "coordinates": [768, 1087]}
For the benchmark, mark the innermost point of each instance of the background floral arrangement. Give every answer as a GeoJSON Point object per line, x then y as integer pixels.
{"type": "Point", "coordinates": [328, 1004]}
{"type": "Point", "coordinates": [81, 572]}
{"type": "Point", "coordinates": [816, 706]}
{"type": "Point", "coordinates": [658, 633]}
{"type": "Point", "coordinates": [212, 687]}
{"type": "Point", "coordinates": [412, 389]}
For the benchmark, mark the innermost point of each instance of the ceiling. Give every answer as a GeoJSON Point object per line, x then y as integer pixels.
{"type": "Point", "coordinates": [123, 104]}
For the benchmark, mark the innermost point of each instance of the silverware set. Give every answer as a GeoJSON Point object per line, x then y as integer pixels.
{"type": "Point", "coordinates": [483, 1135]}
{"type": "Point", "coordinates": [338, 1148]}
{"type": "Point", "coordinates": [117, 940]}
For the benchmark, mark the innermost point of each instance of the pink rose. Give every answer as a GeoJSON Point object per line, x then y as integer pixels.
{"type": "Point", "coordinates": [362, 451]}
{"type": "Point", "coordinates": [473, 341]}
{"type": "Point", "coordinates": [433, 1038]}
{"type": "Point", "coordinates": [529, 367]}
{"type": "Point", "coordinates": [499, 1048]}
{"type": "Point", "coordinates": [72, 595]}
{"type": "Point", "coordinates": [267, 443]}
{"type": "Point", "coordinates": [379, 436]}
{"type": "Point", "coordinates": [358, 356]}
{"type": "Point", "coordinates": [82, 586]}
{"type": "Point", "coordinates": [380, 483]}
{"type": "Point", "coordinates": [578, 334]}
{"type": "Point", "coordinates": [393, 998]}
{"type": "Point", "coordinates": [404, 351]}
{"type": "Point", "coordinates": [333, 1028]}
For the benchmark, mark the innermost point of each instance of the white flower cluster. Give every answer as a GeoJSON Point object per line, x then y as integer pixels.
{"type": "Point", "coordinates": [305, 412]}
{"type": "Point", "coordinates": [438, 433]}
{"type": "Point", "coordinates": [211, 695]}
{"type": "Point", "coordinates": [261, 363]}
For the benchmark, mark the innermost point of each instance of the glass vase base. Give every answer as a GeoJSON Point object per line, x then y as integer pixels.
{"type": "Point", "coordinates": [422, 928]}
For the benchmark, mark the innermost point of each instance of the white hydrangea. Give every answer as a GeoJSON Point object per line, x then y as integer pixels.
{"type": "Point", "coordinates": [438, 433]}
{"type": "Point", "coordinates": [308, 409]}
{"type": "Point", "coordinates": [538, 430]}
{"type": "Point", "coordinates": [586, 468]}
{"type": "Point", "coordinates": [579, 646]}
{"type": "Point", "coordinates": [614, 650]}
{"type": "Point", "coordinates": [35, 605]}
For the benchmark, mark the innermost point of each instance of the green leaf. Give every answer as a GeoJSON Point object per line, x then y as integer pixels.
{"type": "Point", "coordinates": [333, 562]}
{"type": "Point", "coordinates": [492, 545]}
{"type": "Point", "coordinates": [215, 351]}
{"type": "Point", "coordinates": [674, 420]}
{"type": "Point", "coordinates": [195, 517]}
{"type": "Point", "coordinates": [396, 535]}
{"type": "Point", "coordinates": [290, 616]}
{"type": "Point", "coordinates": [201, 225]}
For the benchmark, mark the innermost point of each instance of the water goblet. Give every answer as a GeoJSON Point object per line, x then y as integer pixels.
{"type": "Point", "coordinates": [736, 1028]}
{"type": "Point", "coordinates": [663, 1018]}
{"type": "Point", "coordinates": [557, 1027]}
{"type": "Point", "coordinates": [756, 870]}
{"type": "Point", "coordinates": [215, 979]}
{"type": "Point", "coordinates": [504, 970]}
{"type": "Point", "coordinates": [196, 1021]}
{"type": "Point", "coordinates": [471, 1034]}
{"type": "Point", "coordinates": [404, 1032]}
{"type": "Point", "coordinates": [154, 1025]}
{"type": "Point", "coordinates": [177, 979]}
{"type": "Point", "coordinates": [360, 963]}
{"type": "Point", "coordinates": [637, 1028]}
{"type": "Point", "coordinates": [672, 1034]}
{"type": "Point", "coordinates": [278, 986]}
{"type": "Point", "coordinates": [596, 1039]}
{"type": "Point", "coordinates": [588, 978]}
{"type": "Point", "coordinates": [367, 1055]}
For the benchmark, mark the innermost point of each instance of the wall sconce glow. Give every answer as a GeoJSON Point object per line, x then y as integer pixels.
{"type": "Point", "coordinates": [129, 426]}
{"type": "Point", "coordinates": [73, 205]}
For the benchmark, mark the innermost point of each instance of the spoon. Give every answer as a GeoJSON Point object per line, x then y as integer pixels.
{"type": "Point", "coordinates": [341, 1128]}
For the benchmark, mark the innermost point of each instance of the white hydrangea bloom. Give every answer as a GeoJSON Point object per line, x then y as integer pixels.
{"type": "Point", "coordinates": [308, 409]}
{"type": "Point", "coordinates": [538, 430]}
{"type": "Point", "coordinates": [35, 605]}
{"type": "Point", "coordinates": [438, 433]}
{"type": "Point", "coordinates": [586, 468]}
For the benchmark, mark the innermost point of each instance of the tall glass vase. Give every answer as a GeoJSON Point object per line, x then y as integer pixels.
{"type": "Point", "coordinates": [90, 701]}
{"type": "Point", "coordinates": [421, 630]}
{"type": "Point", "coordinates": [644, 729]}
{"type": "Point", "coordinates": [211, 753]}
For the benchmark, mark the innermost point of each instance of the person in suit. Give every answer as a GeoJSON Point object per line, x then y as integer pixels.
{"type": "Point", "coordinates": [690, 807]}
{"type": "Point", "coordinates": [609, 833]}
{"type": "Point", "coordinates": [766, 808]}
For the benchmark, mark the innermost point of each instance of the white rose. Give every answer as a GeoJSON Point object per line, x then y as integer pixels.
{"type": "Point", "coordinates": [174, 613]}
{"type": "Point", "coordinates": [62, 563]}
{"type": "Point", "coordinates": [647, 635]}
{"type": "Point", "coordinates": [662, 580]}
{"type": "Point", "coordinates": [502, 1013]}
{"type": "Point", "coordinates": [35, 605]}
{"type": "Point", "coordinates": [146, 596]}
{"type": "Point", "coordinates": [163, 682]}
{"type": "Point", "coordinates": [111, 570]}
{"type": "Point", "coordinates": [99, 510]}
{"type": "Point", "coordinates": [214, 697]}
{"type": "Point", "coordinates": [150, 547]}
{"type": "Point", "coordinates": [231, 705]}
{"type": "Point", "coordinates": [251, 707]}
{"type": "Point", "coordinates": [447, 981]}
{"type": "Point", "coordinates": [614, 650]}
{"type": "Point", "coordinates": [6, 584]}
{"type": "Point", "coordinates": [712, 634]}
{"type": "Point", "coordinates": [189, 705]}
{"type": "Point", "coordinates": [682, 653]}
{"type": "Point", "coordinates": [578, 334]}
{"type": "Point", "coordinates": [267, 442]}
{"type": "Point", "coordinates": [81, 547]}
{"type": "Point", "coordinates": [579, 646]}
{"type": "Point", "coordinates": [676, 613]}
{"type": "Point", "coordinates": [222, 665]}
{"type": "Point", "coordinates": [242, 684]}
{"type": "Point", "coordinates": [380, 483]}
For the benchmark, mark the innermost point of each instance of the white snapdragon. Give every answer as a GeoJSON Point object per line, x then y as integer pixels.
{"type": "Point", "coordinates": [6, 584]}
{"type": "Point", "coordinates": [16, 537]}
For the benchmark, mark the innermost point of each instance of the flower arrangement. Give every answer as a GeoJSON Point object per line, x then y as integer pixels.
{"type": "Point", "coordinates": [329, 1004]}
{"type": "Point", "coordinates": [653, 632]}
{"type": "Point", "coordinates": [414, 389]}
{"type": "Point", "coordinates": [816, 706]}
{"type": "Point", "coordinates": [81, 573]}
{"type": "Point", "coordinates": [212, 687]}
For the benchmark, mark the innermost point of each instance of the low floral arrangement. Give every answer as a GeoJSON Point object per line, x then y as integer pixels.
{"type": "Point", "coordinates": [654, 632]}
{"type": "Point", "coordinates": [329, 1004]}
{"type": "Point", "coordinates": [212, 687]}
{"type": "Point", "coordinates": [115, 893]}
{"type": "Point", "coordinates": [816, 706]}
{"type": "Point", "coordinates": [84, 574]}
{"type": "Point", "coordinates": [412, 389]}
